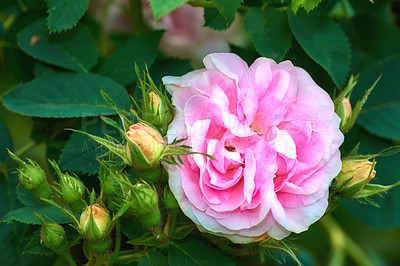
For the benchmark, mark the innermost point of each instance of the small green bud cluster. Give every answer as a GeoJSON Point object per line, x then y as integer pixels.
{"type": "Point", "coordinates": [71, 190]}
{"type": "Point", "coordinates": [53, 236]}
{"type": "Point", "coordinates": [145, 204]}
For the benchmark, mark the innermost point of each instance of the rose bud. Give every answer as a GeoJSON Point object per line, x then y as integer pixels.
{"type": "Point", "coordinates": [70, 189]}
{"type": "Point", "coordinates": [53, 236]}
{"type": "Point", "coordinates": [158, 112]}
{"type": "Point", "coordinates": [94, 222]}
{"type": "Point", "coordinates": [145, 146]}
{"type": "Point", "coordinates": [344, 111]}
{"type": "Point", "coordinates": [146, 204]}
{"type": "Point", "coordinates": [171, 204]}
{"type": "Point", "coordinates": [354, 175]}
{"type": "Point", "coordinates": [111, 189]}
{"type": "Point", "coordinates": [32, 177]}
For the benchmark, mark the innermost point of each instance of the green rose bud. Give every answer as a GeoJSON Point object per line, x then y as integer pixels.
{"type": "Point", "coordinates": [354, 175]}
{"type": "Point", "coordinates": [146, 204]}
{"type": "Point", "coordinates": [344, 111]}
{"type": "Point", "coordinates": [70, 189]}
{"type": "Point", "coordinates": [94, 222]}
{"type": "Point", "coordinates": [32, 177]}
{"type": "Point", "coordinates": [112, 190]}
{"type": "Point", "coordinates": [53, 236]}
{"type": "Point", "coordinates": [171, 204]}
{"type": "Point", "coordinates": [145, 146]}
{"type": "Point", "coordinates": [158, 111]}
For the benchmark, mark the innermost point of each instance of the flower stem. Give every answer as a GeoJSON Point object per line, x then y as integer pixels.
{"type": "Point", "coordinates": [4, 171]}
{"type": "Point", "coordinates": [138, 26]}
{"type": "Point", "coordinates": [342, 243]}
{"type": "Point", "coordinates": [169, 227]}
{"type": "Point", "coordinates": [69, 259]}
{"type": "Point", "coordinates": [117, 242]}
{"type": "Point", "coordinates": [25, 148]}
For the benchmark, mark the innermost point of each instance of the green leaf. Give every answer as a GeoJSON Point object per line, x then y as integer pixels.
{"type": "Point", "coordinates": [282, 246]}
{"type": "Point", "coordinates": [81, 152]}
{"type": "Point", "coordinates": [383, 39]}
{"type": "Point", "coordinates": [146, 239]}
{"type": "Point", "coordinates": [227, 8]}
{"type": "Point", "coordinates": [270, 32]}
{"type": "Point", "coordinates": [74, 50]}
{"type": "Point", "coordinates": [373, 189]}
{"type": "Point", "coordinates": [168, 66]}
{"type": "Point", "coordinates": [66, 95]}
{"type": "Point", "coordinates": [34, 246]}
{"type": "Point", "coordinates": [214, 20]}
{"type": "Point", "coordinates": [183, 231]}
{"type": "Point", "coordinates": [65, 14]}
{"type": "Point", "coordinates": [162, 7]}
{"type": "Point", "coordinates": [140, 49]}
{"type": "Point", "coordinates": [11, 234]}
{"type": "Point", "coordinates": [27, 198]}
{"type": "Point", "coordinates": [26, 215]}
{"type": "Point", "coordinates": [381, 112]}
{"type": "Point", "coordinates": [307, 4]}
{"type": "Point", "coordinates": [324, 41]}
{"type": "Point", "coordinates": [5, 142]}
{"type": "Point", "coordinates": [153, 258]}
{"type": "Point", "coordinates": [196, 252]}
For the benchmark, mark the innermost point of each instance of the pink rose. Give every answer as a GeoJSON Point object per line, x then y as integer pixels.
{"type": "Point", "coordinates": [276, 141]}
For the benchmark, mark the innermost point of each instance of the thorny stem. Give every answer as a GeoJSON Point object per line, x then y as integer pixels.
{"type": "Point", "coordinates": [117, 242]}
{"type": "Point", "coordinates": [342, 243]}
{"type": "Point", "coordinates": [25, 148]}
{"type": "Point", "coordinates": [169, 227]}
{"type": "Point", "coordinates": [69, 259]}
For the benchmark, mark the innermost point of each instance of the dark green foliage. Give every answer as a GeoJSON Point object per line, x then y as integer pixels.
{"type": "Point", "coordinates": [52, 96]}
{"type": "Point", "coordinates": [270, 32]}
{"type": "Point", "coordinates": [381, 113]}
{"type": "Point", "coordinates": [324, 41]}
{"type": "Point", "coordinates": [65, 14]}
{"type": "Point", "coordinates": [59, 49]}
{"type": "Point", "coordinates": [139, 50]}
{"type": "Point", "coordinates": [196, 252]}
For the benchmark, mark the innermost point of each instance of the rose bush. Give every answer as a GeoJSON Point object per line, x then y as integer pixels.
{"type": "Point", "coordinates": [275, 138]}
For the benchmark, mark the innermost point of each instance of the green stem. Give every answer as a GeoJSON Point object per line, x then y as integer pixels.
{"type": "Point", "coordinates": [209, 4]}
{"type": "Point", "coordinates": [117, 242]}
{"type": "Point", "coordinates": [138, 26]}
{"type": "Point", "coordinates": [341, 242]}
{"type": "Point", "coordinates": [25, 148]}
{"type": "Point", "coordinates": [22, 6]}
{"type": "Point", "coordinates": [14, 229]}
{"type": "Point", "coordinates": [69, 259]}
{"type": "Point", "coordinates": [169, 227]}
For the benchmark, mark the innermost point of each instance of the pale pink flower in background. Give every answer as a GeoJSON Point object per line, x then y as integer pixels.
{"type": "Point", "coordinates": [275, 138]}
{"type": "Point", "coordinates": [185, 36]}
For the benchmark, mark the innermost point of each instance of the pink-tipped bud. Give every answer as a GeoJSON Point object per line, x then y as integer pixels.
{"type": "Point", "coordinates": [146, 146]}
{"type": "Point", "coordinates": [94, 222]}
